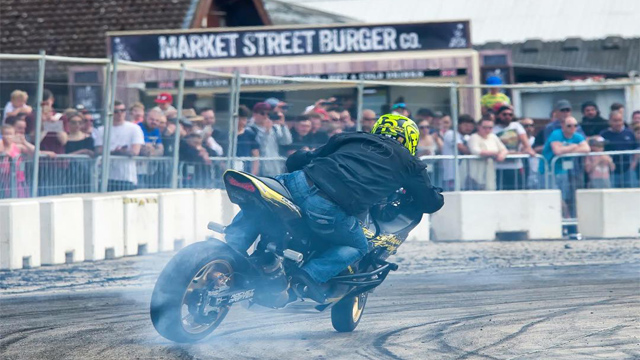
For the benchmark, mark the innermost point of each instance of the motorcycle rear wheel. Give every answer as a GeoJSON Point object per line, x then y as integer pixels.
{"type": "Point", "coordinates": [197, 268]}
{"type": "Point", "coordinates": [346, 314]}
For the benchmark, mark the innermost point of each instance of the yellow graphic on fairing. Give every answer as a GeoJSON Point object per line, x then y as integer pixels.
{"type": "Point", "coordinates": [269, 194]}
{"type": "Point", "coordinates": [388, 241]}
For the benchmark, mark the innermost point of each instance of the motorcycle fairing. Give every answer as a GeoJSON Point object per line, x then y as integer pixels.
{"type": "Point", "coordinates": [240, 184]}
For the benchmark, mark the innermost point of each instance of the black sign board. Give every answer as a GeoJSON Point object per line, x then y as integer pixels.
{"type": "Point", "coordinates": [265, 42]}
{"type": "Point", "coordinates": [375, 75]}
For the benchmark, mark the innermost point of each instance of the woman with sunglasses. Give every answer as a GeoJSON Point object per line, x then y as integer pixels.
{"type": "Point", "coordinates": [484, 143]}
{"type": "Point", "coordinates": [78, 142]}
{"type": "Point", "coordinates": [427, 144]}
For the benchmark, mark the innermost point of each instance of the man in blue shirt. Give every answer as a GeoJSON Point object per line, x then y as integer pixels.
{"type": "Point", "coordinates": [620, 138]}
{"type": "Point", "coordinates": [149, 174]}
{"type": "Point", "coordinates": [565, 141]}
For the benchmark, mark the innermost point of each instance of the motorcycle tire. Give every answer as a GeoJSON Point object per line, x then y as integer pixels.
{"type": "Point", "coordinates": [192, 268]}
{"type": "Point", "coordinates": [346, 314]}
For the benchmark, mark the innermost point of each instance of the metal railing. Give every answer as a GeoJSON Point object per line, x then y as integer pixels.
{"type": "Point", "coordinates": [480, 173]}
{"type": "Point", "coordinates": [176, 177]}
{"type": "Point", "coordinates": [596, 170]}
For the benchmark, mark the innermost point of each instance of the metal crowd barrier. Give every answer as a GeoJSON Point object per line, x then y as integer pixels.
{"type": "Point", "coordinates": [595, 170]}
{"type": "Point", "coordinates": [60, 174]}
{"type": "Point", "coordinates": [481, 173]}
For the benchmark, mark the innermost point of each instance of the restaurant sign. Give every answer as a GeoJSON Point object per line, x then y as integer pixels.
{"type": "Point", "coordinates": [265, 42]}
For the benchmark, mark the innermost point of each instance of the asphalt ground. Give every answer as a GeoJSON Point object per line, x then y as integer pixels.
{"type": "Point", "coordinates": [553, 309]}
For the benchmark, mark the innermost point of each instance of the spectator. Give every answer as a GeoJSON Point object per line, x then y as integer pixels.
{"type": "Point", "coordinates": [136, 113]}
{"type": "Point", "coordinates": [192, 152]}
{"type": "Point", "coordinates": [424, 114]}
{"type": "Point", "coordinates": [280, 108]}
{"type": "Point", "coordinates": [270, 134]}
{"type": "Point", "coordinates": [164, 101]}
{"type": "Point", "coordinates": [17, 104]}
{"type": "Point", "coordinates": [247, 144]}
{"type": "Point", "coordinates": [484, 143]}
{"type": "Point", "coordinates": [494, 96]}
{"type": "Point", "coordinates": [400, 108]}
{"type": "Point", "coordinates": [598, 167]}
{"type": "Point", "coordinates": [318, 135]}
{"type": "Point", "coordinates": [426, 142]}
{"type": "Point", "coordinates": [635, 118]}
{"type": "Point", "coordinates": [617, 107]}
{"type": "Point", "coordinates": [19, 124]}
{"type": "Point", "coordinates": [49, 100]}
{"type": "Point", "coordinates": [152, 137]}
{"type": "Point", "coordinates": [53, 137]}
{"type": "Point", "coordinates": [620, 138]}
{"type": "Point", "coordinates": [126, 140]}
{"type": "Point", "coordinates": [78, 142]}
{"type": "Point", "coordinates": [561, 111]}
{"type": "Point", "coordinates": [466, 125]}
{"type": "Point", "coordinates": [347, 122]}
{"type": "Point", "coordinates": [444, 125]}
{"type": "Point", "coordinates": [534, 180]}
{"type": "Point", "coordinates": [368, 119]}
{"type": "Point", "coordinates": [335, 117]}
{"type": "Point", "coordinates": [489, 115]}
{"type": "Point", "coordinates": [300, 136]}
{"type": "Point", "coordinates": [564, 141]}
{"type": "Point", "coordinates": [333, 129]}
{"type": "Point", "coordinates": [592, 122]}
{"type": "Point", "coordinates": [510, 173]}
{"type": "Point", "coordinates": [636, 131]}
{"type": "Point", "coordinates": [216, 140]}
{"type": "Point", "coordinates": [10, 149]}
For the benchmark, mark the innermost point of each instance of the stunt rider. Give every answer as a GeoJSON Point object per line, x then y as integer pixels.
{"type": "Point", "coordinates": [341, 180]}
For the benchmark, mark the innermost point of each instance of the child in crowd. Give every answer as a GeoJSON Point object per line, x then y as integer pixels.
{"type": "Point", "coordinates": [598, 167]}
{"type": "Point", "coordinates": [10, 151]}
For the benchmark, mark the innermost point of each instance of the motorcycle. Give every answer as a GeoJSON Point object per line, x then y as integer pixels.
{"type": "Point", "coordinates": [198, 286]}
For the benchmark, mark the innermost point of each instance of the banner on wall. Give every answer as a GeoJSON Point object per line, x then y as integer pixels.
{"type": "Point", "coordinates": [264, 42]}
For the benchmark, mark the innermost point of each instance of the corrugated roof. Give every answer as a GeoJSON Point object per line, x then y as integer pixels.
{"type": "Point", "coordinates": [284, 13]}
{"type": "Point", "coordinates": [576, 54]}
{"type": "Point", "coordinates": [501, 20]}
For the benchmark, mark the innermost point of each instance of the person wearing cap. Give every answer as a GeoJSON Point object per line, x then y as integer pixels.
{"type": "Point", "coordinates": [598, 167]}
{"type": "Point", "coordinates": [561, 111]}
{"type": "Point", "coordinates": [400, 108]}
{"type": "Point", "coordinates": [270, 134]}
{"type": "Point", "coordinates": [494, 96]}
{"type": "Point", "coordinates": [509, 173]}
{"type": "Point", "coordinates": [565, 140]}
{"type": "Point", "coordinates": [620, 138]}
{"type": "Point", "coordinates": [164, 101]}
{"type": "Point", "coordinates": [592, 122]}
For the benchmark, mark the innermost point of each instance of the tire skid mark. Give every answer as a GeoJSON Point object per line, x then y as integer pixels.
{"type": "Point", "coordinates": [528, 326]}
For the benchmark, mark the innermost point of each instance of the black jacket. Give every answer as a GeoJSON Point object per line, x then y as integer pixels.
{"type": "Point", "coordinates": [594, 126]}
{"type": "Point", "coordinates": [358, 170]}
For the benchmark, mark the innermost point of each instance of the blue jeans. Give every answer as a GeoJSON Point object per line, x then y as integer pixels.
{"type": "Point", "coordinates": [627, 179]}
{"type": "Point", "coordinates": [328, 222]}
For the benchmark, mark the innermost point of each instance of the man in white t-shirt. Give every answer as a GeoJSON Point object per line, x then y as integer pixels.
{"type": "Point", "coordinates": [126, 140]}
{"type": "Point", "coordinates": [510, 173]}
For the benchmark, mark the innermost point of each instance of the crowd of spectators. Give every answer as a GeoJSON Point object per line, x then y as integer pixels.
{"type": "Point", "coordinates": [270, 131]}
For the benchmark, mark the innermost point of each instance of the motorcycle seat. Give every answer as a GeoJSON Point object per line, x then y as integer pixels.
{"type": "Point", "coordinates": [276, 186]}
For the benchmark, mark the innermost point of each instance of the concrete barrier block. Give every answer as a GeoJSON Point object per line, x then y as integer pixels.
{"type": "Point", "coordinates": [608, 213]}
{"type": "Point", "coordinates": [545, 214]}
{"type": "Point", "coordinates": [229, 209]}
{"type": "Point", "coordinates": [176, 219]}
{"type": "Point", "coordinates": [480, 215]}
{"type": "Point", "coordinates": [140, 212]}
{"type": "Point", "coordinates": [103, 226]}
{"type": "Point", "coordinates": [422, 232]}
{"type": "Point", "coordinates": [61, 230]}
{"type": "Point", "coordinates": [19, 234]}
{"type": "Point", "coordinates": [207, 207]}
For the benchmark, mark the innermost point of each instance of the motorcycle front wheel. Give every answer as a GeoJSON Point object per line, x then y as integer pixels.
{"type": "Point", "coordinates": [177, 309]}
{"type": "Point", "coordinates": [346, 314]}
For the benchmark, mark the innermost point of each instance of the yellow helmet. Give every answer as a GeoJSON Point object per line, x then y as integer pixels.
{"type": "Point", "coordinates": [398, 126]}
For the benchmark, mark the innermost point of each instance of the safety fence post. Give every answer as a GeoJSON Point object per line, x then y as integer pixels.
{"type": "Point", "coordinates": [108, 123]}
{"type": "Point", "coordinates": [176, 135]}
{"type": "Point", "coordinates": [38, 125]}
{"type": "Point", "coordinates": [453, 94]}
